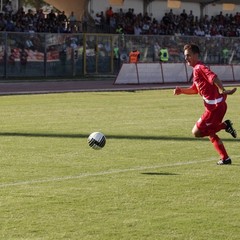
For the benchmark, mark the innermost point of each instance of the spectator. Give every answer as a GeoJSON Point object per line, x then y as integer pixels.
{"type": "Point", "coordinates": [237, 18]}
{"type": "Point", "coordinates": [11, 58]}
{"type": "Point", "coordinates": [119, 29]}
{"type": "Point", "coordinates": [225, 55]}
{"type": "Point", "coordinates": [109, 15]}
{"type": "Point", "coordinates": [9, 27]}
{"type": "Point", "coordinates": [85, 20]}
{"type": "Point", "coordinates": [112, 24]}
{"type": "Point", "coordinates": [129, 14]}
{"type": "Point", "coordinates": [146, 18]}
{"type": "Point", "coordinates": [163, 55]}
{"type": "Point", "coordinates": [134, 56]}
{"type": "Point", "coordinates": [62, 17]}
{"type": "Point", "coordinates": [184, 15]}
{"type": "Point", "coordinates": [8, 9]}
{"type": "Point", "coordinates": [171, 24]}
{"type": "Point", "coordinates": [63, 56]}
{"type": "Point", "coordinates": [3, 22]}
{"type": "Point", "coordinates": [129, 28]}
{"type": "Point", "coordinates": [190, 17]}
{"type": "Point", "coordinates": [29, 16]}
{"type": "Point", "coordinates": [51, 16]}
{"type": "Point", "coordinates": [199, 32]}
{"type": "Point", "coordinates": [137, 30]}
{"type": "Point", "coordinates": [40, 15]}
{"type": "Point", "coordinates": [23, 59]}
{"type": "Point", "coordinates": [97, 21]}
{"type": "Point", "coordinates": [116, 57]}
{"type": "Point", "coordinates": [121, 14]}
{"type": "Point", "coordinates": [72, 22]}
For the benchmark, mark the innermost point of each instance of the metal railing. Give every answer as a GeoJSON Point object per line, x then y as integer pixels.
{"type": "Point", "coordinates": [55, 55]}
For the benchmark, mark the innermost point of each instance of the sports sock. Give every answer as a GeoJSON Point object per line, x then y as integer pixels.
{"type": "Point", "coordinates": [221, 126]}
{"type": "Point", "coordinates": [218, 145]}
{"type": "Point", "coordinates": [210, 131]}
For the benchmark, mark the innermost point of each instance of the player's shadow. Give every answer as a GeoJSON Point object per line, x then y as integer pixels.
{"type": "Point", "coordinates": [159, 173]}
{"type": "Point", "coordinates": [110, 136]}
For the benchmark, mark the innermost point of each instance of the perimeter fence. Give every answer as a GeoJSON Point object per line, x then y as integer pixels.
{"type": "Point", "coordinates": [48, 55]}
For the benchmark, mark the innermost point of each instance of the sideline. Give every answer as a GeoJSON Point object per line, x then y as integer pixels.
{"type": "Point", "coordinates": [113, 171]}
{"type": "Point", "coordinates": [66, 86]}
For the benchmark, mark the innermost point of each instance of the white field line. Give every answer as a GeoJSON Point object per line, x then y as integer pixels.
{"type": "Point", "coordinates": [84, 175]}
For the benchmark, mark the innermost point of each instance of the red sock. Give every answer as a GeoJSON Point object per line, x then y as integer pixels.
{"type": "Point", "coordinates": [218, 145]}
{"type": "Point", "coordinates": [220, 127]}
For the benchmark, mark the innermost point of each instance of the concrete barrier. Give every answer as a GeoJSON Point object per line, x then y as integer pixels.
{"type": "Point", "coordinates": [144, 73]}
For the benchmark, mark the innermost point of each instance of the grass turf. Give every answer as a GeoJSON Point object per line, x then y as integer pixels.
{"type": "Point", "coordinates": [152, 180]}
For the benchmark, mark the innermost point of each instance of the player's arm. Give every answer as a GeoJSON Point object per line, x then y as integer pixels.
{"type": "Point", "coordinates": [219, 84]}
{"type": "Point", "coordinates": [188, 91]}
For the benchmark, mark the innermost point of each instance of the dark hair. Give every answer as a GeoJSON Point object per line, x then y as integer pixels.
{"type": "Point", "coordinates": [193, 47]}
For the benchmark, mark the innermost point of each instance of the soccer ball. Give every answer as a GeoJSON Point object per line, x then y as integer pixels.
{"type": "Point", "coordinates": [96, 140]}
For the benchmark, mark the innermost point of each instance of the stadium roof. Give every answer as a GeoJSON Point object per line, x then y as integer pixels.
{"type": "Point", "coordinates": [77, 6]}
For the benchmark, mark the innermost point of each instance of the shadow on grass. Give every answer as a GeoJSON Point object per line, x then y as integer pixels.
{"type": "Point", "coordinates": [128, 137]}
{"type": "Point", "coordinates": [160, 173]}
{"type": "Point", "coordinates": [235, 164]}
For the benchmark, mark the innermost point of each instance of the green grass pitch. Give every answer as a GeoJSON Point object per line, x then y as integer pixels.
{"type": "Point", "coordinates": [151, 181]}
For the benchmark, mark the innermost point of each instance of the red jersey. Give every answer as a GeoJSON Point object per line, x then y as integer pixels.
{"type": "Point", "coordinates": [203, 81]}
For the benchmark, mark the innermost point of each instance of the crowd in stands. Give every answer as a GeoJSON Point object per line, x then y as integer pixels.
{"type": "Point", "coordinates": [227, 25]}
{"type": "Point", "coordinates": [121, 22]}
{"type": "Point", "coordinates": [21, 21]}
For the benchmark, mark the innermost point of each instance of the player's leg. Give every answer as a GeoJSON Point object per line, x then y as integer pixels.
{"type": "Point", "coordinates": [202, 128]}
{"type": "Point", "coordinates": [211, 121]}
{"type": "Point", "coordinates": [227, 126]}
{"type": "Point", "coordinates": [215, 140]}
{"type": "Point", "coordinates": [219, 147]}
{"type": "Point", "coordinates": [197, 132]}
{"type": "Point", "coordinates": [216, 117]}
{"type": "Point", "coordinates": [208, 125]}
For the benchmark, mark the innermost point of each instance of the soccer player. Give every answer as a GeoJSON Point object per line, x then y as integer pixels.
{"type": "Point", "coordinates": [210, 87]}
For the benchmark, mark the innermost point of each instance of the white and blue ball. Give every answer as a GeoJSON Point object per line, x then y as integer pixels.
{"type": "Point", "coordinates": [96, 140]}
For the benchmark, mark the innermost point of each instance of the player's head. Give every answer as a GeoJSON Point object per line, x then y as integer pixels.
{"type": "Point", "coordinates": [193, 47]}
{"type": "Point", "coordinates": [191, 54]}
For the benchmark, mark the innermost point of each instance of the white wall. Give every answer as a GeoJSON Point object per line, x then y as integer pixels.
{"type": "Point", "coordinates": [214, 9]}
{"type": "Point", "coordinates": [96, 6]}
{"type": "Point", "coordinates": [158, 8]}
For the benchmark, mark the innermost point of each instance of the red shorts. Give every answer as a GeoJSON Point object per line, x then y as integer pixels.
{"type": "Point", "coordinates": [210, 120]}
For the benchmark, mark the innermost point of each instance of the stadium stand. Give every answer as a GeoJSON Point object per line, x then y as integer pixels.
{"type": "Point", "coordinates": [186, 23]}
